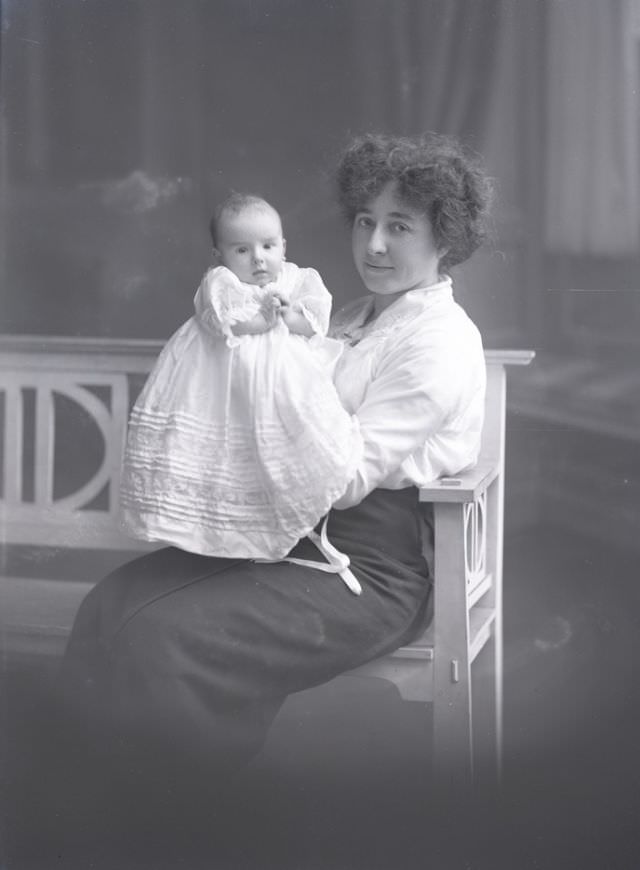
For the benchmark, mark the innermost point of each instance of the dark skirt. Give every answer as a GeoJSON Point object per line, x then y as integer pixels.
{"type": "Point", "coordinates": [187, 656]}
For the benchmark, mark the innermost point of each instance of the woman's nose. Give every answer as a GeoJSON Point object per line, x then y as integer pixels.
{"type": "Point", "coordinates": [377, 243]}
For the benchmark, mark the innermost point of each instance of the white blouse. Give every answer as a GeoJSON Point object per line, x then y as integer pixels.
{"type": "Point", "coordinates": [414, 377]}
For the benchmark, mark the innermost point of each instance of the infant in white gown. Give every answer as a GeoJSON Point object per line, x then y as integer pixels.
{"type": "Point", "coordinates": [238, 444]}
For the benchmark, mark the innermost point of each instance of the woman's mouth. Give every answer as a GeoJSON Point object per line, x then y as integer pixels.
{"type": "Point", "coordinates": [374, 267]}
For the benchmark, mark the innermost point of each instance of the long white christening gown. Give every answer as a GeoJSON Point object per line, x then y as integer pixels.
{"type": "Point", "coordinates": [239, 445]}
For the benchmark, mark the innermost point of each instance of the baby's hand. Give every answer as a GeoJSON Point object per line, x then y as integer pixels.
{"type": "Point", "coordinates": [263, 321]}
{"type": "Point", "coordinates": [270, 309]}
{"type": "Point", "coordinates": [296, 322]}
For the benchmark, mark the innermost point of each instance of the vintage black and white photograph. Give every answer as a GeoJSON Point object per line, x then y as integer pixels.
{"type": "Point", "coordinates": [319, 434]}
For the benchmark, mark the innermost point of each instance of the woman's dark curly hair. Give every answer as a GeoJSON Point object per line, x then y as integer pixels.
{"type": "Point", "coordinates": [433, 174]}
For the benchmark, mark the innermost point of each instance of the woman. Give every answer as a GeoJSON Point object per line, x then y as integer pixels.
{"type": "Point", "coordinates": [192, 654]}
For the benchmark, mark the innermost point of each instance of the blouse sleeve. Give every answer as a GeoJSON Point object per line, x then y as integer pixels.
{"type": "Point", "coordinates": [313, 300]}
{"type": "Point", "coordinates": [221, 301]}
{"type": "Point", "coordinates": [414, 390]}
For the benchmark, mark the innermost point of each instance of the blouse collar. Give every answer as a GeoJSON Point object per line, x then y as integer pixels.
{"type": "Point", "coordinates": [405, 306]}
{"type": "Point", "coordinates": [421, 295]}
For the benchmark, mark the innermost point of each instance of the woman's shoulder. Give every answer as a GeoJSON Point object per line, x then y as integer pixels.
{"type": "Point", "coordinates": [435, 328]}
{"type": "Point", "coordinates": [447, 329]}
{"type": "Point", "coordinates": [434, 308]}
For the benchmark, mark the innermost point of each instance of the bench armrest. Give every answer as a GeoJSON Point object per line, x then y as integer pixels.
{"type": "Point", "coordinates": [465, 487]}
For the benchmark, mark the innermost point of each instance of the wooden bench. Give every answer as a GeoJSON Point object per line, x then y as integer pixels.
{"type": "Point", "coordinates": [468, 526]}
{"type": "Point", "coordinates": [78, 392]}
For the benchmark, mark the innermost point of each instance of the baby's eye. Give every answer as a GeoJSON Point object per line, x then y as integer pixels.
{"type": "Point", "coordinates": [241, 250]}
{"type": "Point", "coordinates": [268, 246]}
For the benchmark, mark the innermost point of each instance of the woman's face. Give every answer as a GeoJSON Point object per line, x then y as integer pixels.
{"type": "Point", "coordinates": [393, 247]}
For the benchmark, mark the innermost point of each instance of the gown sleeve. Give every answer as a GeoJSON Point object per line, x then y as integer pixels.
{"type": "Point", "coordinates": [222, 301]}
{"type": "Point", "coordinates": [313, 299]}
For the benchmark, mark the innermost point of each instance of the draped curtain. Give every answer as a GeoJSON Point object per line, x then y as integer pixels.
{"type": "Point", "coordinates": [592, 177]}
{"type": "Point", "coordinates": [122, 121]}
{"type": "Point", "coordinates": [427, 64]}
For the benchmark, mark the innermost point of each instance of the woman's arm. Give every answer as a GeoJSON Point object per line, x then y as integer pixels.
{"type": "Point", "coordinates": [415, 389]}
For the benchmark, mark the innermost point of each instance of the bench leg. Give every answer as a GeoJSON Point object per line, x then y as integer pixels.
{"type": "Point", "coordinates": [452, 712]}
{"type": "Point", "coordinates": [495, 498]}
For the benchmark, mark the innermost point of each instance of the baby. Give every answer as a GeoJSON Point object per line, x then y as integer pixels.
{"type": "Point", "coordinates": [247, 238]}
{"type": "Point", "coordinates": [238, 444]}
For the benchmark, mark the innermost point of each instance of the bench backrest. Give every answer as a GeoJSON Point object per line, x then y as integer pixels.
{"type": "Point", "coordinates": [64, 405]}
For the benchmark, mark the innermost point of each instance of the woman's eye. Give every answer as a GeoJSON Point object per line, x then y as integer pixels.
{"type": "Point", "coordinates": [400, 228]}
{"type": "Point", "coordinates": [364, 222]}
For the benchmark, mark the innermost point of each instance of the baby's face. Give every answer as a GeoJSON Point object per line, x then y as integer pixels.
{"type": "Point", "coordinates": [250, 243]}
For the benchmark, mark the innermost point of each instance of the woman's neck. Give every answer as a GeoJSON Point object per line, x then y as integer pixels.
{"type": "Point", "coordinates": [382, 302]}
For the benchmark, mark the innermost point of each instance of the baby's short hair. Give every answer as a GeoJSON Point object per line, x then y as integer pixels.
{"type": "Point", "coordinates": [233, 204]}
